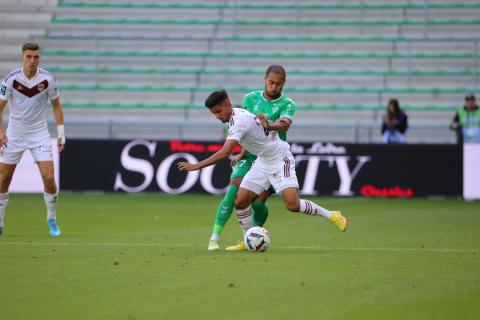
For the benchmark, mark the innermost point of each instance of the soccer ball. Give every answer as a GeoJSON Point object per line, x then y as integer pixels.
{"type": "Point", "coordinates": [257, 239]}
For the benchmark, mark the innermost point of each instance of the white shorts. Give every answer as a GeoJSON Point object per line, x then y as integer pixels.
{"type": "Point", "coordinates": [281, 175]}
{"type": "Point", "coordinates": [39, 144]}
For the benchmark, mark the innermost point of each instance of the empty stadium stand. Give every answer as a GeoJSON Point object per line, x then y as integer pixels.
{"type": "Point", "coordinates": [142, 69]}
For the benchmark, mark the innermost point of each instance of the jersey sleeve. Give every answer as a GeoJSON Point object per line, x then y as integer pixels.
{"type": "Point", "coordinates": [5, 90]}
{"type": "Point", "coordinates": [237, 129]}
{"type": "Point", "coordinates": [247, 102]}
{"type": "Point", "coordinates": [288, 111]}
{"type": "Point", "coordinates": [52, 90]}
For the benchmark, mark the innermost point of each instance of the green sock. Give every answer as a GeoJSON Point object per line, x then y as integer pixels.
{"type": "Point", "coordinates": [224, 211]}
{"type": "Point", "coordinates": [260, 213]}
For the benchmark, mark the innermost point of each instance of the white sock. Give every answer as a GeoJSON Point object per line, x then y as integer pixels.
{"type": "Point", "coordinates": [51, 203]}
{"type": "Point", "coordinates": [309, 207]}
{"type": "Point", "coordinates": [215, 237]}
{"type": "Point", "coordinates": [3, 206]}
{"type": "Point", "coordinates": [245, 218]}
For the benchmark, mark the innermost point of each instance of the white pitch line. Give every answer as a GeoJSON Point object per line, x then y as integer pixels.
{"type": "Point", "coordinates": [159, 245]}
{"type": "Point", "coordinates": [97, 244]}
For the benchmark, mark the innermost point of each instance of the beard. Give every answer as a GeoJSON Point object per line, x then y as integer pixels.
{"type": "Point", "coordinates": [273, 95]}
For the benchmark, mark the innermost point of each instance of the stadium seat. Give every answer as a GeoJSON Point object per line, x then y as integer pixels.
{"type": "Point", "coordinates": [342, 58]}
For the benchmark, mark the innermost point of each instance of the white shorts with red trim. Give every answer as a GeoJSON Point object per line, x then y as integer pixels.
{"type": "Point", "coordinates": [281, 175]}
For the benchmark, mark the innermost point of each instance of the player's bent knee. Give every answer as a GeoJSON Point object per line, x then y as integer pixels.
{"type": "Point", "coordinates": [241, 204]}
{"type": "Point", "coordinates": [293, 206]}
{"type": "Point", "coordinates": [49, 180]}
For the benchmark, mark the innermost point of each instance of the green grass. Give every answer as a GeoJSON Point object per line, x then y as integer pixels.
{"type": "Point", "coordinates": [145, 257]}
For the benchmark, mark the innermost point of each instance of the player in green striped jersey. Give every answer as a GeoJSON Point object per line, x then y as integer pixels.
{"type": "Point", "coordinates": [279, 110]}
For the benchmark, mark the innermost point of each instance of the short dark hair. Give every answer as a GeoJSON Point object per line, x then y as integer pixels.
{"type": "Point", "coordinates": [215, 98]}
{"type": "Point", "coordinates": [276, 68]}
{"type": "Point", "coordinates": [30, 46]}
{"type": "Point", "coordinates": [469, 96]}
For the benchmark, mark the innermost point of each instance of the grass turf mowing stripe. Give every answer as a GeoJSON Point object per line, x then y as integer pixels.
{"type": "Point", "coordinates": [123, 244]}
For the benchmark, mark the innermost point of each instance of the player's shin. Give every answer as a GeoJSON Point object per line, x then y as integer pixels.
{"type": "Point", "coordinates": [260, 213]}
{"type": "Point", "coordinates": [245, 218]}
{"type": "Point", "coordinates": [3, 207]}
{"type": "Point", "coordinates": [51, 203]}
{"type": "Point", "coordinates": [224, 211]}
{"type": "Point", "coordinates": [309, 207]}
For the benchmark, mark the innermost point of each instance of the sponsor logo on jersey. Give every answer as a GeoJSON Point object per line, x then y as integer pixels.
{"type": "Point", "coordinates": [3, 90]}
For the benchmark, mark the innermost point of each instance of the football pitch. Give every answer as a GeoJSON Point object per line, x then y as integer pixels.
{"type": "Point", "coordinates": [144, 257]}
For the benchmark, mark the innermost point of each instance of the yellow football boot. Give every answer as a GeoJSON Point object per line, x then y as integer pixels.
{"type": "Point", "coordinates": [339, 220]}
{"type": "Point", "coordinates": [239, 247]}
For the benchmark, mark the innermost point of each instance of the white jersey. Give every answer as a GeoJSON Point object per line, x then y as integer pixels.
{"type": "Point", "coordinates": [246, 128]}
{"type": "Point", "coordinates": [28, 100]}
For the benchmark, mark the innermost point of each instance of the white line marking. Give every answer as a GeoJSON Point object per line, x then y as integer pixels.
{"type": "Point", "coordinates": [160, 245]}
{"type": "Point", "coordinates": [97, 244]}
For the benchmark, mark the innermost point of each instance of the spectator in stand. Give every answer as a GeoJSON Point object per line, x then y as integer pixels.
{"type": "Point", "coordinates": [395, 123]}
{"type": "Point", "coordinates": [466, 122]}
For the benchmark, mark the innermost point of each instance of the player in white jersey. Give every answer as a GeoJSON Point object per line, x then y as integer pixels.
{"type": "Point", "coordinates": [274, 165]}
{"type": "Point", "coordinates": [28, 89]}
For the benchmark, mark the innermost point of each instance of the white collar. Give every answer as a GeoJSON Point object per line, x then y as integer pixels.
{"type": "Point", "coordinates": [23, 73]}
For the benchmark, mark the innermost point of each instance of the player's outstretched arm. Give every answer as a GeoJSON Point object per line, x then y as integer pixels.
{"type": "Point", "coordinates": [58, 114]}
{"type": "Point", "coordinates": [218, 156]}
